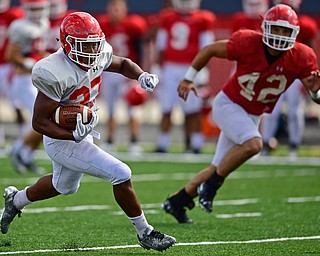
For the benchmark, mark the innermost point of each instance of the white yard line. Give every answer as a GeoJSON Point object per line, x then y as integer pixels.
{"type": "Point", "coordinates": [255, 241]}
{"type": "Point", "coordinates": [303, 199]}
{"type": "Point", "coordinates": [239, 215]}
{"type": "Point", "coordinates": [192, 158]}
{"type": "Point", "coordinates": [183, 176]}
{"type": "Point", "coordinates": [150, 207]}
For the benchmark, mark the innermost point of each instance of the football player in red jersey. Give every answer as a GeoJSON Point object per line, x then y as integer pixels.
{"type": "Point", "coordinates": [27, 44]}
{"type": "Point", "coordinates": [250, 17]}
{"type": "Point", "coordinates": [267, 64]}
{"type": "Point", "coordinates": [73, 75]}
{"type": "Point", "coordinates": [125, 33]}
{"type": "Point", "coordinates": [7, 15]}
{"type": "Point", "coordinates": [58, 11]}
{"type": "Point", "coordinates": [183, 30]}
{"type": "Point", "coordinates": [295, 96]}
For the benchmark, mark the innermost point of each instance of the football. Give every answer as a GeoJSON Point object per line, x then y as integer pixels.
{"type": "Point", "coordinates": [66, 115]}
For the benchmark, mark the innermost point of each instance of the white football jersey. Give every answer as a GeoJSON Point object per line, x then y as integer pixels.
{"type": "Point", "coordinates": [63, 81]}
{"type": "Point", "coordinates": [31, 37]}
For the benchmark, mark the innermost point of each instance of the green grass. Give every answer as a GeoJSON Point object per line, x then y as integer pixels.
{"type": "Point", "coordinates": [269, 186]}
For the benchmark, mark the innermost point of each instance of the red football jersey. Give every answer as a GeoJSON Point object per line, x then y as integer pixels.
{"type": "Point", "coordinates": [5, 20]}
{"type": "Point", "coordinates": [308, 29]}
{"type": "Point", "coordinates": [184, 30]}
{"type": "Point", "coordinates": [242, 21]}
{"type": "Point", "coordinates": [54, 32]}
{"type": "Point", "coordinates": [256, 85]}
{"type": "Point", "coordinates": [123, 36]}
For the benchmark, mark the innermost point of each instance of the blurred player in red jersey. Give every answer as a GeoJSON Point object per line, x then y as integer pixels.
{"type": "Point", "coordinates": [27, 44]}
{"type": "Point", "coordinates": [295, 96]}
{"type": "Point", "coordinates": [250, 17]}
{"type": "Point", "coordinates": [183, 30]}
{"type": "Point", "coordinates": [267, 64]}
{"type": "Point", "coordinates": [58, 11]}
{"type": "Point", "coordinates": [125, 34]}
{"type": "Point", "coordinates": [7, 15]}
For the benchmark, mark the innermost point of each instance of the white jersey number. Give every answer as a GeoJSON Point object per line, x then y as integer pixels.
{"type": "Point", "coordinates": [180, 33]}
{"type": "Point", "coordinates": [119, 43]}
{"type": "Point", "coordinates": [248, 81]}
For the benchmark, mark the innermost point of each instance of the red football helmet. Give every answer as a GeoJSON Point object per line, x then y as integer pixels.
{"type": "Point", "coordinates": [295, 4]}
{"type": "Point", "coordinates": [36, 10]}
{"type": "Point", "coordinates": [255, 8]}
{"type": "Point", "coordinates": [185, 6]}
{"type": "Point", "coordinates": [283, 16]}
{"type": "Point", "coordinates": [135, 95]}
{"type": "Point", "coordinates": [58, 8]}
{"type": "Point", "coordinates": [78, 32]}
{"type": "Point", "coordinates": [4, 5]}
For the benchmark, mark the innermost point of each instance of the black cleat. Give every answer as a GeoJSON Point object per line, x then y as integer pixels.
{"type": "Point", "coordinates": [156, 240]}
{"type": "Point", "coordinates": [179, 213]}
{"type": "Point", "coordinates": [9, 211]}
{"type": "Point", "coordinates": [160, 150]}
{"type": "Point", "coordinates": [206, 195]}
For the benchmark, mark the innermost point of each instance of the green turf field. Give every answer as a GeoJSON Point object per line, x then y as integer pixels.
{"type": "Point", "coordinates": [262, 209]}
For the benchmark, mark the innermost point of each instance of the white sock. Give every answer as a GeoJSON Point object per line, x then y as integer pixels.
{"type": "Point", "coordinates": [196, 140]}
{"type": "Point", "coordinates": [26, 154]}
{"type": "Point", "coordinates": [17, 146]}
{"type": "Point", "coordinates": [20, 199]}
{"type": "Point", "coordinates": [141, 224]}
{"type": "Point", "coordinates": [2, 136]}
{"type": "Point", "coordinates": [163, 141]}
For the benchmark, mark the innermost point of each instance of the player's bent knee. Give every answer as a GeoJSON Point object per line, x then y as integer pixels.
{"type": "Point", "coordinates": [253, 146]}
{"type": "Point", "coordinates": [67, 190]}
{"type": "Point", "coordinates": [123, 173]}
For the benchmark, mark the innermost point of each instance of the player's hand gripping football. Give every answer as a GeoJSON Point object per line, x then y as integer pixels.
{"type": "Point", "coordinates": [185, 87]}
{"type": "Point", "coordinates": [148, 81]}
{"type": "Point", "coordinates": [82, 130]}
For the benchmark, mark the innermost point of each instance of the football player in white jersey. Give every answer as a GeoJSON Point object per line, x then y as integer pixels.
{"type": "Point", "coordinates": [27, 45]}
{"type": "Point", "coordinates": [7, 16]}
{"type": "Point", "coordinates": [73, 75]}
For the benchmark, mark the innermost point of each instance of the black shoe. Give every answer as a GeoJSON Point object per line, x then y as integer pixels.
{"type": "Point", "coordinates": [196, 151]}
{"type": "Point", "coordinates": [9, 211]}
{"type": "Point", "coordinates": [179, 213]}
{"type": "Point", "coordinates": [32, 167]}
{"type": "Point", "coordinates": [206, 195]}
{"type": "Point", "coordinates": [156, 240]}
{"type": "Point", "coordinates": [160, 150]}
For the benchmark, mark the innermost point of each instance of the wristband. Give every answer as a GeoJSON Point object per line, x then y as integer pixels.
{"type": "Point", "coordinates": [315, 95]}
{"type": "Point", "coordinates": [190, 74]}
{"type": "Point", "coordinates": [28, 63]}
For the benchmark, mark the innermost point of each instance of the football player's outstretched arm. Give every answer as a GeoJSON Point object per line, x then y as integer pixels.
{"type": "Point", "coordinates": [125, 67]}
{"type": "Point", "coordinates": [312, 84]}
{"type": "Point", "coordinates": [132, 70]}
{"type": "Point", "coordinates": [217, 49]}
